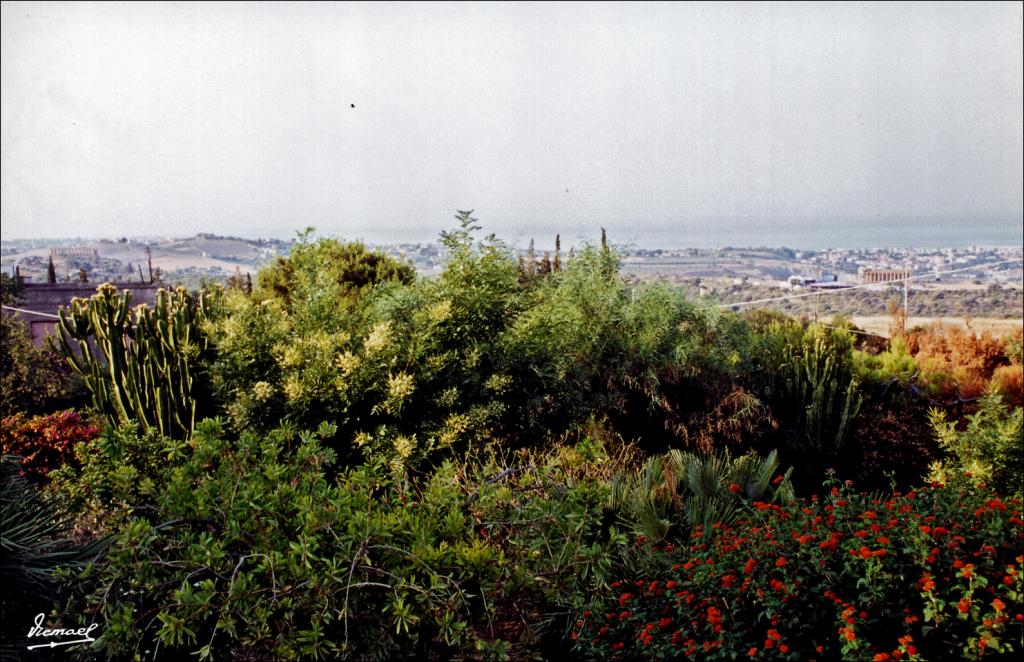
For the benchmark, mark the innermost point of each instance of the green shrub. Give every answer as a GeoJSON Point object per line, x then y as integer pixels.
{"type": "Point", "coordinates": [404, 371]}
{"type": "Point", "coordinates": [114, 471]}
{"type": "Point", "coordinates": [328, 274]}
{"type": "Point", "coordinates": [33, 380]}
{"type": "Point", "coordinates": [643, 357]}
{"type": "Point", "coordinates": [894, 363]}
{"type": "Point", "coordinates": [989, 448]}
{"type": "Point", "coordinates": [246, 548]}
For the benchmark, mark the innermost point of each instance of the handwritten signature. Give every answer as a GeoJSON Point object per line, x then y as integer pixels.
{"type": "Point", "coordinates": [38, 630]}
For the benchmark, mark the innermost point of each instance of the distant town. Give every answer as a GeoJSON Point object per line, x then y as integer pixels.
{"type": "Point", "coordinates": [979, 281]}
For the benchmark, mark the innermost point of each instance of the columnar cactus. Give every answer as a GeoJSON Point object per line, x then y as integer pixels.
{"type": "Point", "coordinates": [813, 380]}
{"type": "Point", "coordinates": [140, 365]}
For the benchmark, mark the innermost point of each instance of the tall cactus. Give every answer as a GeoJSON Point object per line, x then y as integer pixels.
{"type": "Point", "coordinates": [144, 364]}
{"type": "Point", "coordinates": [813, 379]}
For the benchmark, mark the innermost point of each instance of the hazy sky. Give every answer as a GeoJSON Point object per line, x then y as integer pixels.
{"type": "Point", "coordinates": [237, 118]}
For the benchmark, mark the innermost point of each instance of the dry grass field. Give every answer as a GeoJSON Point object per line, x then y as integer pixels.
{"type": "Point", "coordinates": [880, 324]}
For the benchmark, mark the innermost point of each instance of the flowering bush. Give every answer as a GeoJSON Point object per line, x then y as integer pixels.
{"type": "Point", "coordinates": [45, 442]}
{"type": "Point", "coordinates": [920, 575]}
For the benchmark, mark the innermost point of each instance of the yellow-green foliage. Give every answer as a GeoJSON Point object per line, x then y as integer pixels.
{"type": "Point", "coordinates": [989, 449]}
{"type": "Point", "coordinates": [895, 362]}
{"type": "Point", "coordinates": [402, 368]}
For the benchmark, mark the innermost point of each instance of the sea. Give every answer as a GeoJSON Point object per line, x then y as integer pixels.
{"type": "Point", "coordinates": [809, 235]}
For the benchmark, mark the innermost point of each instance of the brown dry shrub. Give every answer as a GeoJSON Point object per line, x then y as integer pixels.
{"type": "Point", "coordinates": [956, 363]}
{"type": "Point", "coordinates": [1008, 381]}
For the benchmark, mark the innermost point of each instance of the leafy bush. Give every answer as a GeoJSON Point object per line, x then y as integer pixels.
{"type": "Point", "coordinates": [989, 448]}
{"type": "Point", "coordinates": [403, 371]}
{"type": "Point", "coordinates": [33, 380]}
{"type": "Point", "coordinates": [893, 363]}
{"type": "Point", "coordinates": [329, 270]}
{"type": "Point", "coordinates": [643, 357]}
{"type": "Point", "coordinates": [45, 443]}
{"type": "Point", "coordinates": [244, 548]}
{"type": "Point", "coordinates": [114, 471]}
{"type": "Point", "coordinates": [851, 576]}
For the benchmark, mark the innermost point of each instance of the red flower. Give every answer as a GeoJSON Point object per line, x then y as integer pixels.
{"type": "Point", "coordinates": [964, 605]}
{"type": "Point", "coordinates": [735, 489]}
{"type": "Point", "coordinates": [780, 562]}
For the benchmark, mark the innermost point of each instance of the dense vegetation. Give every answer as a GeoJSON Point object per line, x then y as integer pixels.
{"type": "Point", "coordinates": [516, 460]}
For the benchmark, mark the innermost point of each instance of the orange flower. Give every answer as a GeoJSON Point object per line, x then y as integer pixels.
{"type": "Point", "coordinates": [964, 605]}
{"type": "Point", "coordinates": [781, 562]}
{"type": "Point", "coordinates": [998, 605]}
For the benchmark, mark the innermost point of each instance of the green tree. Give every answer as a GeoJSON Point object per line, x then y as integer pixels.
{"type": "Point", "coordinates": [328, 268]}
{"type": "Point", "coordinates": [33, 379]}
